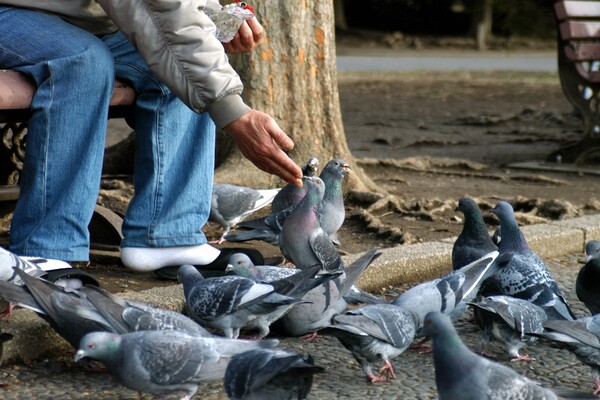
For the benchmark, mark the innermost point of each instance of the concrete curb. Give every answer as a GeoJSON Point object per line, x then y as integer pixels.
{"type": "Point", "coordinates": [34, 339]}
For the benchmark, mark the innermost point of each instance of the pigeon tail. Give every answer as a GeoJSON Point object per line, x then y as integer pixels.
{"type": "Point", "coordinates": [354, 271]}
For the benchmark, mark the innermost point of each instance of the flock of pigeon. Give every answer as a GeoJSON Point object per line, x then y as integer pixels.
{"type": "Point", "coordinates": [513, 295]}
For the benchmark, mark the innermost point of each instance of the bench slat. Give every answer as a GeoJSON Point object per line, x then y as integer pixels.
{"type": "Point", "coordinates": [580, 30]}
{"type": "Point", "coordinates": [576, 9]}
{"type": "Point", "coordinates": [16, 92]}
{"type": "Point", "coordinates": [582, 51]}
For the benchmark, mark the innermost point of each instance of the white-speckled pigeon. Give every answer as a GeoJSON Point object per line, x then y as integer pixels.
{"type": "Point", "coordinates": [56, 271]}
{"type": "Point", "coordinates": [587, 284]}
{"type": "Point", "coordinates": [462, 374]}
{"type": "Point", "coordinates": [263, 374]}
{"type": "Point", "coordinates": [292, 194]}
{"type": "Point", "coordinates": [582, 338]}
{"type": "Point", "coordinates": [230, 204]}
{"type": "Point", "coordinates": [231, 303]}
{"type": "Point", "coordinates": [241, 265]}
{"type": "Point", "coordinates": [474, 240]}
{"type": "Point", "coordinates": [449, 293]}
{"type": "Point", "coordinates": [509, 320]}
{"type": "Point", "coordinates": [74, 313]}
{"type": "Point", "coordinates": [526, 275]}
{"type": "Point", "coordinates": [326, 300]}
{"type": "Point", "coordinates": [379, 332]}
{"type": "Point", "coordinates": [160, 362]}
{"type": "Point", "coordinates": [302, 239]}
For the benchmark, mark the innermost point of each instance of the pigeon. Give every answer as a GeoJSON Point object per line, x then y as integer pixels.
{"type": "Point", "coordinates": [73, 313]}
{"type": "Point", "coordinates": [160, 362]}
{"type": "Point", "coordinates": [582, 338]}
{"type": "Point", "coordinates": [331, 214]}
{"type": "Point", "coordinates": [56, 271]}
{"type": "Point", "coordinates": [592, 248]}
{"type": "Point", "coordinates": [587, 285]}
{"type": "Point", "coordinates": [326, 300]}
{"type": "Point", "coordinates": [462, 374]}
{"type": "Point", "coordinates": [264, 374]}
{"type": "Point", "coordinates": [292, 194]}
{"type": "Point", "coordinates": [379, 332]}
{"type": "Point", "coordinates": [231, 203]}
{"type": "Point", "coordinates": [474, 240]}
{"type": "Point", "coordinates": [302, 239]}
{"type": "Point", "coordinates": [266, 229]}
{"type": "Point", "coordinates": [509, 320]}
{"type": "Point", "coordinates": [525, 276]}
{"type": "Point", "coordinates": [241, 265]}
{"type": "Point", "coordinates": [230, 303]}
{"type": "Point", "coordinates": [449, 293]}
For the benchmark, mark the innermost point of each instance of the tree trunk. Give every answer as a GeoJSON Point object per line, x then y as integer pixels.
{"type": "Point", "coordinates": [482, 22]}
{"type": "Point", "coordinates": [292, 76]}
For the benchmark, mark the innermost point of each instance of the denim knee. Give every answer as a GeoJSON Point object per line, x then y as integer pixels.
{"type": "Point", "coordinates": [94, 67]}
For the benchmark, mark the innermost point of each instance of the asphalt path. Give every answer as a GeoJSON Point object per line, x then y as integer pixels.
{"type": "Point", "coordinates": [445, 61]}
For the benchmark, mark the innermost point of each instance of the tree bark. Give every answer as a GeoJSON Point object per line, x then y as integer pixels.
{"type": "Point", "coordinates": [292, 76]}
{"type": "Point", "coordinates": [482, 22]}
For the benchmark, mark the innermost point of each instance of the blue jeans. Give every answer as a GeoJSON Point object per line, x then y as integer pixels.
{"type": "Point", "coordinates": [74, 72]}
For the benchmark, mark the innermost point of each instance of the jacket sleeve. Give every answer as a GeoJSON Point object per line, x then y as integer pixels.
{"type": "Point", "coordinates": [176, 39]}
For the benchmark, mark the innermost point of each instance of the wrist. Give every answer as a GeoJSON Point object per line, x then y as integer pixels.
{"type": "Point", "coordinates": [227, 109]}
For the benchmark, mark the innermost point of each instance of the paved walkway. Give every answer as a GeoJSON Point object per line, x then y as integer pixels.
{"type": "Point", "coordinates": [439, 60]}
{"type": "Point", "coordinates": [560, 244]}
{"type": "Point", "coordinates": [60, 378]}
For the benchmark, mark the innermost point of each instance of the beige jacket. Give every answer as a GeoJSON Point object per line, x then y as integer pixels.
{"type": "Point", "coordinates": [174, 37]}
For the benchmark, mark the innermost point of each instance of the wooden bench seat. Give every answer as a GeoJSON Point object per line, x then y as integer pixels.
{"type": "Point", "coordinates": [16, 93]}
{"type": "Point", "coordinates": [578, 34]}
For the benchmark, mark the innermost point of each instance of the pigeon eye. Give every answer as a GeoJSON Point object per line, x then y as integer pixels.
{"type": "Point", "coordinates": [91, 346]}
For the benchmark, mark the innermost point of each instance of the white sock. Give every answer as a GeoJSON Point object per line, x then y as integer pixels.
{"type": "Point", "coordinates": [152, 258]}
{"type": "Point", "coordinates": [47, 264]}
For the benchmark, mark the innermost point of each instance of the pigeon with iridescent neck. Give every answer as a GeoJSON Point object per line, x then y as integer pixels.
{"type": "Point", "coordinates": [525, 276]}
{"type": "Point", "coordinates": [302, 239]}
{"type": "Point", "coordinates": [331, 213]}
{"type": "Point", "coordinates": [462, 374]}
{"type": "Point", "coordinates": [160, 362]}
{"type": "Point", "coordinates": [290, 195]}
{"type": "Point", "coordinates": [587, 284]}
{"type": "Point", "coordinates": [474, 240]}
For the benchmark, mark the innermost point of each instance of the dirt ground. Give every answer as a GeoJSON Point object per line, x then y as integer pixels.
{"type": "Point", "coordinates": [430, 138]}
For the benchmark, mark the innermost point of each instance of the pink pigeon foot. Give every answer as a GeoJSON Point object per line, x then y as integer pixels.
{"type": "Point", "coordinates": [311, 336]}
{"type": "Point", "coordinates": [522, 358]}
{"type": "Point", "coordinates": [6, 314]}
{"type": "Point", "coordinates": [372, 378]}
{"type": "Point", "coordinates": [388, 369]}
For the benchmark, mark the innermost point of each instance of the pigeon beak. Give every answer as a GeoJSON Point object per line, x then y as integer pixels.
{"type": "Point", "coordinates": [79, 355]}
{"type": "Point", "coordinates": [228, 268]}
{"type": "Point", "coordinates": [346, 168]}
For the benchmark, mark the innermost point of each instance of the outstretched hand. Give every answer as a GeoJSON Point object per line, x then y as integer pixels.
{"type": "Point", "coordinates": [262, 141]}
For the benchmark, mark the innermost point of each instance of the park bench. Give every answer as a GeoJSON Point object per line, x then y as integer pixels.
{"type": "Point", "coordinates": [578, 24]}
{"type": "Point", "coordinates": [16, 92]}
